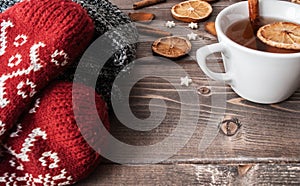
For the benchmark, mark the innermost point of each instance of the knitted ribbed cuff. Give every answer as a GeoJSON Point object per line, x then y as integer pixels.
{"type": "Point", "coordinates": [108, 17]}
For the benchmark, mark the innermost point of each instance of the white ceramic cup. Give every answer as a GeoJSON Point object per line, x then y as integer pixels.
{"type": "Point", "coordinates": [257, 76]}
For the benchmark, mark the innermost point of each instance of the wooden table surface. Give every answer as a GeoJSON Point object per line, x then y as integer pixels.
{"type": "Point", "coordinates": [264, 150]}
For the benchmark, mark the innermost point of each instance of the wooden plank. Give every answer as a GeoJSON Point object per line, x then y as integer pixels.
{"type": "Point", "coordinates": [268, 132]}
{"type": "Point", "coordinates": [194, 174]}
{"type": "Point", "coordinates": [268, 137]}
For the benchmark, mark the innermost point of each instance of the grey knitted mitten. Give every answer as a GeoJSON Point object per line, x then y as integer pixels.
{"type": "Point", "coordinates": [106, 17]}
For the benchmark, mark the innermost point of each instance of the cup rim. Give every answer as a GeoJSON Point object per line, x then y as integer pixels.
{"type": "Point", "coordinates": [221, 34]}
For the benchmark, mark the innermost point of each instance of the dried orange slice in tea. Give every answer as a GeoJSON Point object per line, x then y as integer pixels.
{"type": "Point", "coordinates": [191, 11]}
{"type": "Point", "coordinates": [281, 35]}
{"type": "Point", "coordinates": [172, 46]}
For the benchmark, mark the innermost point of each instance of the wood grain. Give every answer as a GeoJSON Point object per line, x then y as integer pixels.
{"type": "Point", "coordinates": [195, 174]}
{"type": "Point", "coordinates": [264, 151]}
{"type": "Point", "coordinates": [268, 132]}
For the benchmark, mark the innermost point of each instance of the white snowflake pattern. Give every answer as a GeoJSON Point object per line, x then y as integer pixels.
{"type": "Point", "coordinates": [3, 38]}
{"type": "Point", "coordinates": [61, 178]}
{"type": "Point", "coordinates": [34, 59]}
{"type": "Point", "coordinates": [2, 128]}
{"type": "Point", "coordinates": [13, 163]}
{"type": "Point", "coordinates": [29, 179]}
{"type": "Point", "coordinates": [29, 84]}
{"type": "Point", "coordinates": [16, 134]}
{"type": "Point", "coordinates": [36, 105]}
{"type": "Point", "coordinates": [52, 156]}
{"type": "Point", "coordinates": [23, 156]}
{"type": "Point", "coordinates": [14, 60]}
{"type": "Point", "coordinates": [56, 54]}
{"type": "Point", "coordinates": [34, 66]}
{"type": "Point", "coordinates": [20, 40]}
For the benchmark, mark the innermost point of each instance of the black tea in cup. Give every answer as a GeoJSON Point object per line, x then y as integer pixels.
{"type": "Point", "coordinates": [242, 33]}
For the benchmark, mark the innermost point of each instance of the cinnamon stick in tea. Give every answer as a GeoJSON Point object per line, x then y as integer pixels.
{"type": "Point", "coordinates": [255, 21]}
{"type": "Point", "coordinates": [144, 3]}
{"type": "Point", "coordinates": [253, 6]}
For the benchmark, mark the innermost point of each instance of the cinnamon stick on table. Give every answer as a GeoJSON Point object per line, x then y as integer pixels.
{"type": "Point", "coordinates": [152, 31]}
{"type": "Point", "coordinates": [144, 3]}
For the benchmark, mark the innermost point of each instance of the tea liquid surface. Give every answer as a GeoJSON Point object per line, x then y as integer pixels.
{"type": "Point", "coordinates": [241, 32]}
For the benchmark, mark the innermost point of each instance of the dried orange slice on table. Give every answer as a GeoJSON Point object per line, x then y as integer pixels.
{"type": "Point", "coordinates": [281, 35]}
{"type": "Point", "coordinates": [141, 17]}
{"type": "Point", "coordinates": [191, 11]}
{"type": "Point", "coordinates": [172, 46]}
{"type": "Point", "coordinates": [210, 28]}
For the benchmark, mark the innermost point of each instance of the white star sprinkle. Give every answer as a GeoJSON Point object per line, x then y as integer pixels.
{"type": "Point", "coordinates": [192, 36]}
{"type": "Point", "coordinates": [193, 25]}
{"type": "Point", "coordinates": [186, 81]}
{"type": "Point", "coordinates": [170, 24]}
